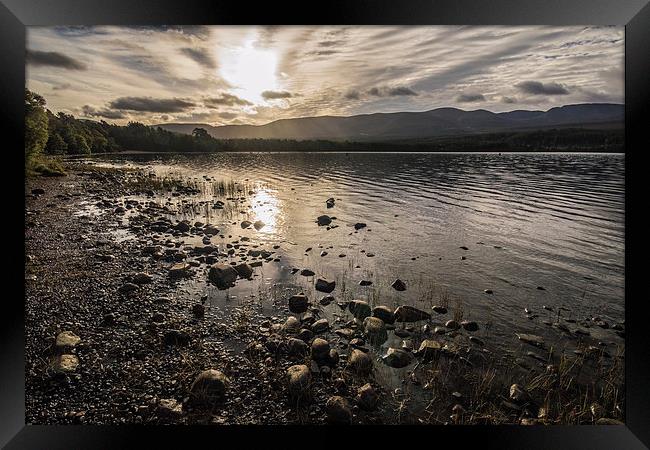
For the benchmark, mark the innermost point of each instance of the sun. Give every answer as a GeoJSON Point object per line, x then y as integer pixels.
{"type": "Point", "coordinates": [250, 70]}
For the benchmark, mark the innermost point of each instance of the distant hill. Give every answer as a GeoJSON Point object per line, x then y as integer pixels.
{"type": "Point", "coordinates": [417, 125]}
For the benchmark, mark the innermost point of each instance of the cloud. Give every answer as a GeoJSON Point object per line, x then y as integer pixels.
{"type": "Point", "coordinates": [470, 98]}
{"type": "Point", "coordinates": [54, 59]}
{"type": "Point", "coordinates": [201, 56]}
{"type": "Point", "coordinates": [274, 95]}
{"type": "Point", "coordinates": [391, 92]}
{"type": "Point", "coordinates": [61, 87]}
{"type": "Point", "coordinates": [330, 43]}
{"type": "Point", "coordinates": [91, 111]}
{"type": "Point", "coordinates": [227, 115]}
{"type": "Point", "coordinates": [148, 104]}
{"type": "Point", "coordinates": [539, 88]}
{"type": "Point", "coordinates": [508, 100]}
{"type": "Point", "coordinates": [226, 100]}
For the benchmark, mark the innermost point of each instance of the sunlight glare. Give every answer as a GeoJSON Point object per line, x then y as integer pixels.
{"type": "Point", "coordinates": [251, 70]}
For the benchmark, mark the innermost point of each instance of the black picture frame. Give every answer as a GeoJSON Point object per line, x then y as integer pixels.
{"type": "Point", "coordinates": [15, 15]}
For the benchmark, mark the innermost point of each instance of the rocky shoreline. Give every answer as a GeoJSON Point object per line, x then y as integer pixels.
{"type": "Point", "coordinates": [113, 336]}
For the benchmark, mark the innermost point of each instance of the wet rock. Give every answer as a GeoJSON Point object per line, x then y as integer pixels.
{"type": "Point", "coordinates": [291, 326]}
{"type": "Point", "coordinates": [407, 313]}
{"type": "Point", "coordinates": [244, 270]}
{"type": "Point", "coordinates": [320, 350]}
{"type": "Point", "coordinates": [297, 347]}
{"type": "Point", "coordinates": [176, 337]}
{"type": "Point", "coordinates": [298, 379]}
{"type": "Point", "coordinates": [258, 225]}
{"type": "Point", "coordinates": [324, 285]}
{"type": "Point", "coordinates": [488, 291]}
{"type": "Point", "coordinates": [345, 333]}
{"type": "Point", "coordinates": [305, 335]}
{"type": "Point", "coordinates": [180, 270]}
{"type": "Point", "coordinates": [330, 202]}
{"type": "Point", "coordinates": [359, 225]}
{"type": "Point", "coordinates": [298, 304]}
{"type": "Point", "coordinates": [245, 224]}
{"type": "Point", "coordinates": [440, 309]}
{"type": "Point", "coordinates": [359, 362]}
{"type": "Point", "coordinates": [66, 341]}
{"type": "Point", "coordinates": [397, 358]}
{"type": "Point", "coordinates": [530, 339]}
{"type": "Point", "coordinates": [477, 341]}
{"type": "Point", "coordinates": [324, 220]}
{"type": "Point", "coordinates": [183, 227]}
{"type": "Point", "coordinates": [338, 411]}
{"type": "Point", "coordinates": [209, 387]}
{"type": "Point", "coordinates": [367, 398]}
{"type": "Point", "coordinates": [383, 313]}
{"type": "Point", "coordinates": [211, 230]}
{"type": "Point", "coordinates": [375, 330]}
{"type": "Point", "coordinates": [359, 309]}
{"type": "Point", "coordinates": [469, 325]}
{"type": "Point", "coordinates": [399, 285]}
{"type": "Point", "coordinates": [142, 278]}
{"type": "Point", "coordinates": [365, 283]}
{"type": "Point", "coordinates": [307, 273]}
{"type": "Point", "coordinates": [326, 300]}
{"type": "Point", "coordinates": [222, 275]}
{"type": "Point", "coordinates": [64, 363]}
{"type": "Point", "coordinates": [320, 326]}
{"type": "Point", "coordinates": [429, 349]}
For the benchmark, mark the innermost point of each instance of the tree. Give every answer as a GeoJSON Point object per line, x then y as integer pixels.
{"type": "Point", "coordinates": [200, 133]}
{"type": "Point", "coordinates": [35, 126]}
{"type": "Point", "coordinates": [56, 145]}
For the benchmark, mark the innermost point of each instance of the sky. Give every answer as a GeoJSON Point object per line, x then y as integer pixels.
{"type": "Point", "coordinates": [223, 75]}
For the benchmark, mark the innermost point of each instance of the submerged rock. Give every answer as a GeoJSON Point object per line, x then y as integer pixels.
{"type": "Point", "coordinates": [222, 275]}
{"type": "Point", "coordinates": [359, 225]}
{"type": "Point", "coordinates": [384, 313]}
{"type": "Point", "coordinates": [469, 325]}
{"type": "Point", "coordinates": [323, 220]}
{"type": "Point", "coordinates": [399, 285]}
{"type": "Point", "coordinates": [440, 309]}
{"type": "Point", "coordinates": [258, 225]}
{"type": "Point", "coordinates": [244, 270]}
{"type": "Point", "coordinates": [407, 313]}
{"type": "Point", "coordinates": [397, 358]}
{"type": "Point", "coordinates": [359, 309]}
{"type": "Point", "coordinates": [530, 339]}
{"type": "Point", "coordinates": [324, 285]}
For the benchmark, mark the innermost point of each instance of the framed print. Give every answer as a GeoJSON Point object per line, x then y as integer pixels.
{"type": "Point", "coordinates": [242, 221]}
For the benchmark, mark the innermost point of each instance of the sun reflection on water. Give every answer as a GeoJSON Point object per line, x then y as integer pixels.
{"type": "Point", "coordinates": [266, 206]}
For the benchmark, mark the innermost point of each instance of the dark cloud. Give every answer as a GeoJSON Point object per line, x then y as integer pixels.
{"type": "Point", "coordinates": [91, 111]}
{"type": "Point", "coordinates": [201, 56]}
{"type": "Point", "coordinates": [332, 43]}
{"type": "Point", "coordinates": [79, 31]}
{"type": "Point", "coordinates": [470, 98]}
{"type": "Point", "coordinates": [226, 100]}
{"type": "Point", "coordinates": [274, 95]}
{"type": "Point", "coordinates": [324, 52]}
{"type": "Point", "coordinates": [352, 95]}
{"type": "Point", "coordinates": [149, 104]}
{"type": "Point", "coordinates": [54, 59]}
{"type": "Point", "coordinates": [391, 92]}
{"type": "Point", "coordinates": [539, 88]}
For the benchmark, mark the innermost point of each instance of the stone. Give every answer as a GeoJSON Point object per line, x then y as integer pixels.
{"type": "Point", "coordinates": [384, 313]}
{"type": "Point", "coordinates": [258, 225]}
{"type": "Point", "coordinates": [198, 310]}
{"type": "Point", "coordinates": [245, 224]}
{"type": "Point", "coordinates": [452, 324]}
{"type": "Point", "coordinates": [324, 285]}
{"type": "Point", "coordinates": [359, 309]}
{"type": "Point", "coordinates": [142, 278]}
{"type": "Point", "coordinates": [211, 230]}
{"type": "Point", "coordinates": [365, 283]}
{"type": "Point", "coordinates": [359, 362]}
{"type": "Point", "coordinates": [209, 387]}
{"type": "Point", "coordinates": [323, 220]}
{"type": "Point", "coordinates": [518, 394]}
{"type": "Point", "coordinates": [326, 300]}
{"type": "Point", "coordinates": [127, 288]}
{"type": "Point", "coordinates": [298, 379]}
{"type": "Point", "coordinates": [530, 339]}
{"type": "Point", "coordinates": [367, 398]}
{"type": "Point", "coordinates": [359, 225]}
{"type": "Point", "coordinates": [244, 270]}
{"type": "Point", "coordinates": [407, 313]}
{"type": "Point", "coordinates": [291, 326]}
{"type": "Point", "coordinates": [183, 227]}
{"type": "Point", "coordinates": [176, 337]}
{"type": "Point", "coordinates": [338, 411]}
{"type": "Point", "coordinates": [320, 326]}
{"type": "Point", "coordinates": [320, 350]}
{"type": "Point", "coordinates": [399, 285]}
{"type": "Point", "coordinates": [307, 273]}
{"type": "Point", "coordinates": [298, 303]}
{"type": "Point", "coordinates": [180, 270]}
{"type": "Point", "coordinates": [375, 330]}
{"type": "Point", "coordinates": [297, 347]}
{"type": "Point", "coordinates": [469, 325]}
{"type": "Point", "coordinates": [330, 202]}
{"type": "Point", "coordinates": [66, 341]}
{"type": "Point", "coordinates": [429, 349]}
{"type": "Point", "coordinates": [222, 275]}
{"type": "Point", "coordinates": [440, 309]}
{"type": "Point", "coordinates": [397, 358]}
{"type": "Point", "coordinates": [169, 408]}
{"type": "Point", "coordinates": [65, 363]}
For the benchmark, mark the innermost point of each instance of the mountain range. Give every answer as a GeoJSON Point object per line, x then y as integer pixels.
{"type": "Point", "coordinates": [417, 125]}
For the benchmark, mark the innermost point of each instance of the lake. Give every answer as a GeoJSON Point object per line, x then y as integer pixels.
{"type": "Point", "coordinates": [541, 231]}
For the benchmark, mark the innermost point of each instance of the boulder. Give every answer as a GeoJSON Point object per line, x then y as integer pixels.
{"type": "Point", "coordinates": [142, 278]}
{"type": "Point", "coordinates": [297, 347]}
{"type": "Point", "coordinates": [384, 313]}
{"type": "Point", "coordinates": [469, 325]}
{"type": "Point", "coordinates": [169, 408]}
{"type": "Point", "coordinates": [307, 273]}
{"type": "Point", "coordinates": [407, 313]}
{"type": "Point", "coordinates": [367, 398]}
{"type": "Point", "coordinates": [397, 358]}
{"type": "Point", "coordinates": [291, 326]}
{"type": "Point", "coordinates": [298, 303]}
{"type": "Point", "coordinates": [298, 379]}
{"type": "Point", "coordinates": [359, 362]}
{"type": "Point", "coordinates": [222, 275]}
{"type": "Point", "coordinates": [399, 285]}
{"type": "Point", "coordinates": [452, 324]}
{"type": "Point", "coordinates": [324, 285]}
{"type": "Point", "coordinates": [320, 326]}
{"type": "Point", "coordinates": [209, 387]}
{"type": "Point", "coordinates": [258, 225]}
{"type": "Point", "coordinates": [246, 224]}
{"type": "Point", "coordinates": [440, 309]}
{"type": "Point", "coordinates": [244, 270]}
{"type": "Point", "coordinates": [359, 309]}
{"type": "Point", "coordinates": [320, 350]}
{"type": "Point", "coordinates": [326, 300]}
{"type": "Point", "coordinates": [429, 349]}
{"type": "Point", "coordinates": [375, 330]}
{"type": "Point", "coordinates": [359, 225]}
{"type": "Point", "coordinates": [338, 411]}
